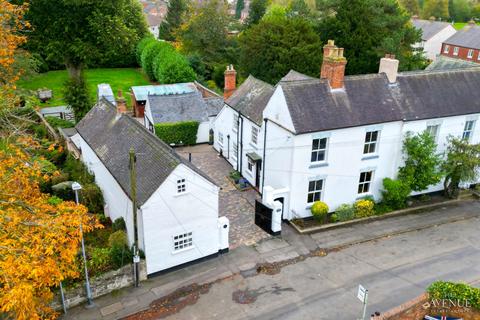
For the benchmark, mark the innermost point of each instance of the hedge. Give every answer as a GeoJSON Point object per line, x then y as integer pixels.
{"type": "Point", "coordinates": [455, 291]}
{"type": "Point", "coordinates": [141, 45]}
{"type": "Point", "coordinates": [172, 67]}
{"type": "Point", "coordinates": [149, 56]}
{"type": "Point", "coordinates": [178, 133]}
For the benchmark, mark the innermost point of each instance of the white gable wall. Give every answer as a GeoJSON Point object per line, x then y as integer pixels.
{"type": "Point", "coordinates": [223, 124]}
{"type": "Point", "coordinates": [277, 110]}
{"type": "Point", "coordinates": [433, 46]}
{"type": "Point", "coordinates": [167, 214]}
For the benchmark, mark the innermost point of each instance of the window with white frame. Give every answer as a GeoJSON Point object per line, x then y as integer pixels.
{"type": "Point", "coordinates": [319, 150]}
{"type": "Point", "coordinates": [181, 186]}
{"type": "Point", "coordinates": [371, 139]}
{"type": "Point", "coordinates": [220, 138]}
{"type": "Point", "coordinates": [250, 165]}
{"type": "Point", "coordinates": [470, 54]}
{"type": "Point", "coordinates": [183, 241]}
{"type": "Point", "coordinates": [446, 49]}
{"type": "Point", "coordinates": [468, 130]}
{"type": "Point", "coordinates": [455, 51]}
{"type": "Point", "coordinates": [254, 135]}
{"type": "Point", "coordinates": [235, 122]}
{"type": "Point", "coordinates": [315, 189]}
{"type": "Point", "coordinates": [365, 181]}
{"type": "Point", "coordinates": [235, 150]}
{"type": "Point", "coordinates": [433, 130]}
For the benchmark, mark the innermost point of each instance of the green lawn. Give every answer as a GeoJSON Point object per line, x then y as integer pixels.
{"type": "Point", "coordinates": [119, 79]}
{"type": "Point", "coordinates": [460, 25]}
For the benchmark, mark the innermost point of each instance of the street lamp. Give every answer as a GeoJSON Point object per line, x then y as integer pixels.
{"type": "Point", "coordinates": [76, 187]}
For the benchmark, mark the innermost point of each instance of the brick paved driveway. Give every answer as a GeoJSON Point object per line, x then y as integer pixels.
{"type": "Point", "coordinates": [238, 206]}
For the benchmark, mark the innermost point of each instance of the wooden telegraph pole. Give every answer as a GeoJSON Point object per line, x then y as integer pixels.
{"type": "Point", "coordinates": [133, 185]}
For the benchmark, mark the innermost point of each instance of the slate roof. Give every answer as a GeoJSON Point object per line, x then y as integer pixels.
{"type": "Point", "coordinates": [429, 28]}
{"type": "Point", "coordinates": [371, 99]}
{"type": "Point", "coordinates": [111, 135]}
{"type": "Point", "coordinates": [250, 98]}
{"type": "Point", "coordinates": [447, 63]}
{"type": "Point", "coordinates": [468, 37]}
{"type": "Point", "coordinates": [178, 107]}
{"type": "Point", "coordinates": [214, 105]}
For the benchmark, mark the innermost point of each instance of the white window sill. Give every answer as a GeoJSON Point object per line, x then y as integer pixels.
{"type": "Point", "coordinates": [318, 164]}
{"type": "Point", "coordinates": [182, 250]}
{"type": "Point", "coordinates": [369, 156]}
{"type": "Point", "coordinates": [181, 194]}
{"type": "Point", "coordinates": [361, 196]}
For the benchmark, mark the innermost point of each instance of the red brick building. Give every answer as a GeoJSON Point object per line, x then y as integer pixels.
{"type": "Point", "coordinates": [465, 44]}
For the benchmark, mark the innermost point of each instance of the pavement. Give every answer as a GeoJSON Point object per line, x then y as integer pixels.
{"type": "Point", "coordinates": [394, 258]}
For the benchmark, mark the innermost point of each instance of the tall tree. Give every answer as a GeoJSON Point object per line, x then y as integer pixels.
{"type": "Point", "coordinates": [280, 42]}
{"type": "Point", "coordinates": [368, 29]}
{"type": "Point", "coordinates": [411, 6]}
{"type": "Point", "coordinates": [460, 10]}
{"type": "Point", "coordinates": [238, 8]}
{"type": "Point", "coordinates": [173, 20]}
{"type": "Point", "coordinates": [256, 11]}
{"type": "Point", "coordinates": [435, 8]}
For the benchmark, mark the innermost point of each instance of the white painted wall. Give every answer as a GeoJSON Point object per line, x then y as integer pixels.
{"type": "Point", "coordinates": [167, 214]}
{"type": "Point", "coordinates": [433, 46]}
{"type": "Point", "coordinates": [277, 110]}
{"type": "Point", "coordinates": [248, 147]}
{"type": "Point", "coordinates": [223, 124]}
{"type": "Point", "coordinates": [154, 30]}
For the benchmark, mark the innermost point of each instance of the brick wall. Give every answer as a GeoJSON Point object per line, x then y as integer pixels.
{"type": "Point", "coordinates": [462, 53]}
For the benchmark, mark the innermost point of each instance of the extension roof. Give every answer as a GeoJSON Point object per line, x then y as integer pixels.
{"type": "Point", "coordinates": [142, 92]}
{"type": "Point", "coordinates": [111, 135]}
{"type": "Point", "coordinates": [468, 37]}
{"type": "Point", "coordinates": [371, 99]}
{"type": "Point", "coordinates": [446, 63]}
{"type": "Point", "coordinates": [250, 98]}
{"type": "Point", "coordinates": [429, 28]}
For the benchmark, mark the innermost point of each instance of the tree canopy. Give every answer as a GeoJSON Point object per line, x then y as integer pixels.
{"type": "Point", "coordinates": [435, 8]}
{"type": "Point", "coordinates": [279, 43]}
{"type": "Point", "coordinates": [173, 20]}
{"type": "Point", "coordinates": [256, 11]}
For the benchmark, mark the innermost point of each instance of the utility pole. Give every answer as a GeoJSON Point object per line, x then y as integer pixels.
{"type": "Point", "coordinates": [133, 193]}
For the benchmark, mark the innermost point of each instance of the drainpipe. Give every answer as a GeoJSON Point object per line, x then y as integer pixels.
{"type": "Point", "coordinates": [264, 150]}
{"type": "Point", "coordinates": [241, 145]}
{"type": "Point", "coordinates": [238, 139]}
{"type": "Point", "coordinates": [228, 146]}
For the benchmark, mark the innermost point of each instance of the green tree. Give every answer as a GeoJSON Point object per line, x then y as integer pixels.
{"type": "Point", "coordinates": [368, 29]}
{"type": "Point", "coordinates": [461, 165]}
{"type": "Point", "coordinates": [238, 9]}
{"type": "Point", "coordinates": [422, 163]}
{"type": "Point", "coordinates": [435, 8]}
{"type": "Point", "coordinates": [256, 11]}
{"type": "Point", "coordinates": [299, 7]}
{"type": "Point", "coordinates": [280, 43]}
{"type": "Point", "coordinates": [172, 67]}
{"type": "Point", "coordinates": [151, 54]}
{"type": "Point", "coordinates": [173, 20]}
{"type": "Point", "coordinates": [460, 10]}
{"type": "Point", "coordinates": [76, 96]}
{"type": "Point", "coordinates": [411, 6]}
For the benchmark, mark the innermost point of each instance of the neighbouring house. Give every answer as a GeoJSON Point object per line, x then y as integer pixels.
{"type": "Point", "coordinates": [237, 134]}
{"type": "Point", "coordinates": [153, 22]}
{"type": "Point", "coordinates": [105, 91]}
{"type": "Point", "coordinates": [446, 63]}
{"type": "Point", "coordinates": [62, 112]}
{"type": "Point", "coordinates": [177, 203]}
{"type": "Point", "coordinates": [465, 44]}
{"type": "Point", "coordinates": [175, 103]}
{"type": "Point", "coordinates": [336, 137]}
{"type": "Point", "coordinates": [434, 33]}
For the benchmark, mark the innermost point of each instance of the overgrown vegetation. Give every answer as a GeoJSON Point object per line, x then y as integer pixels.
{"type": "Point", "coordinates": [455, 292]}
{"type": "Point", "coordinates": [180, 133]}
{"type": "Point", "coordinates": [57, 122]}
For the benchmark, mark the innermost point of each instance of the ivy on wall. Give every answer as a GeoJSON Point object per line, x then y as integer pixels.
{"type": "Point", "coordinates": [179, 133]}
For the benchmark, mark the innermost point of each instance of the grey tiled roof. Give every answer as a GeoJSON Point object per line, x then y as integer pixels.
{"type": "Point", "coordinates": [429, 28]}
{"type": "Point", "coordinates": [250, 98]}
{"type": "Point", "coordinates": [214, 105]}
{"type": "Point", "coordinates": [179, 107]}
{"type": "Point", "coordinates": [468, 37]}
{"type": "Point", "coordinates": [370, 99]}
{"type": "Point", "coordinates": [447, 63]}
{"type": "Point", "coordinates": [111, 135]}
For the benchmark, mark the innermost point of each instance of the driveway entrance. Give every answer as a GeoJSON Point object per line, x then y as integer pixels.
{"type": "Point", "coordinates": [237, 206]}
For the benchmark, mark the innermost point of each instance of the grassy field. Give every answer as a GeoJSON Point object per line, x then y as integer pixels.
{"type": "Point", "coordinates": [119, 79]}
{"type": "Point", "coordinates": [460, 25]}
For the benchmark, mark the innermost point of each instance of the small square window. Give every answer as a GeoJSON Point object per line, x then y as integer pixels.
{"type": "Point", "coordinates": [250, 164]}
{"type": "Point", "coordinates": [254, 135]}
{"type": "Point", "coordinates": [235, 122]}
{"type": "Point", "coordinates": [371, 139]}
{"type": "Point", "coordinates": [433, 131]}
{"type": "Point", "coordinates": [365, 181]}
{"type": "Point", "coordinates": [455, 51]}
{"type": "Point", "coordinates": [468, 130]}
{"type": "Point", "coordinates": [470, 54]}
{"type": "Point", "coordinates": [315, 189]}
{"type": "Point", "coordinates": [319, 150]}
{"type": "Point", "coordinates": [183, 241]}
{"type": "Point", "coordinates": [446, 49]}
{"type": "Point", "coordinates": [181, 186]}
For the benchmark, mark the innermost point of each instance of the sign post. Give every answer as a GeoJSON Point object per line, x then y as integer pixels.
{"type": "Point", "coordinates": [362, 295]}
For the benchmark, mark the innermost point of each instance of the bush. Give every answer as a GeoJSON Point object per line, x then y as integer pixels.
{"type": "Point", "coordinates": [77, 170]}
{"type": "Point", "coordinates": [119, 224]}
{"type": "Point", "coordinates": [91, 196]}
{"type": "Point", "coordinates": [319, 211]}
{"type": "Point", "coordinates": [178, 133]}
{"type": "Point", "coordinates": [100, 260]}
{"type": "Point", "coordinates": [149, 55]}
{"type": "Point", "coordinates": [395, 193]}
{"type": "Point", "coordinates": [64, 191]}
{"type": "Point", "coordinates": [364, 208]}
{"type": "Point", "coordinates": [141, 45]}
{"type": "Point", "coordinates": [334, 217]}
{"type": "Point", "coordinates": [172, 67]}
{"type": "Point", "coordinates": [235, 175]}
{"type": "Point", "coordinates": [120, 254]}
{"type": "Point", "coordinates": [40, 62]}
{"type": "Point", "coordinates": [57, 122]}
{"type": "Point", "coordinates": [456, 292]}
{"type": "Point", "coordinates": [345, 212]}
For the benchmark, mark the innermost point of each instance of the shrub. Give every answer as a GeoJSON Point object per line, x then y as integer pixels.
{"type": "Point", "coordinates": [54, 201]}
{"type": "Point", "coordinates": [77, 170]}
{"type": "Point", "coordinates": [141, 45]}
{"type": "Point", "coordinates": [334, 217]}
{"type": "Point", "coordinates": [455, 292]}
{"type": "Point", "coordinates": [319, 211]}
{"type": "Point", "coordinates": [172, 67]}
{"type": "Point", "coordinates": [57, 122]}
{"type": "Point", "coordinates": [119, 224]}
{"type": "Point", "coordinates": [120, 254]}
{"type": "Point", "coordinates": [59, 178]}
{"type": "Point", "coordinates": [395, 193]}
{"type": "Point", "coordinates": [178, 133]}
{"type": "Point", "coordinates": [345, 212]}
{"type": "Point", "coordinates": [235, 175]}
{"type": "Point", "coordinates": [149, 55]}
{"type": "Point", "coordinates": [100, 260]}
{"type": "Point", "coordinates": [64, 191]}
{"type": "Point", "coordinates": [364, 208]}
{"type": "Point", "coordinates": [91, 196]}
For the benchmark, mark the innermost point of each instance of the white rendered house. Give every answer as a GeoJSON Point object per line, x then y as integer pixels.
{"type": "Point", "coordinates": [177, 214]}
{"type": "Point", "coordinates": [434, 33]}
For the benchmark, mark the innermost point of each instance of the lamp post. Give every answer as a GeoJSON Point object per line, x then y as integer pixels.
{"type": "Point", "coordinates": [76, 187]}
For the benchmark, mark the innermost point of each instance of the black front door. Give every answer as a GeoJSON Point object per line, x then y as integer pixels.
{"type": "Point", "coordinates": [257, 174]}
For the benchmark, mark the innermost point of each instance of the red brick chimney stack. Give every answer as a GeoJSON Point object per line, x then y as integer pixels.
{"type": "Point", "coordinates": [121, 103]}
{"type": "Point", "coordinates": [230, 81]}
{"type": "Point", "coordinates": [333, 66]}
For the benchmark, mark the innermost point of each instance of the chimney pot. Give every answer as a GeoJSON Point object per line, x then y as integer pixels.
{"type": "Point", "coordinates": [389, 66]}
{"type": "Point", "coordinates": [333, 66]}
{"type": "Point", "coordinates": [230, 81]}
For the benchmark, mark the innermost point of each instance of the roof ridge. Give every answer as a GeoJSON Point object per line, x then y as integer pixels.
{"type": "Point", "coordinates": [259, 80]}
{"type": "Point", "coordinates": [432, 72]}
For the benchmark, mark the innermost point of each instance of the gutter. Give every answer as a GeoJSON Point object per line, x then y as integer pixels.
{"type": "Point", "coordinates": [264, 151]}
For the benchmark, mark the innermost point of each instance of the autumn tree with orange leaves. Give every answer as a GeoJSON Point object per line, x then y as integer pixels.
{"type": "Point", "coordinates": [11, 26]}
{"type": "Point", "coordinates": [39, 236]}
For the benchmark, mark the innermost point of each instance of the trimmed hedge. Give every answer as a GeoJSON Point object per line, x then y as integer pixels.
{"type": "Point", "coordinates": [149, 56]}
{"type": "Point", "coordinates": [172, 67]}
{"type": "Point", "coordinates": [455, 291]}
{"type": "Point", "coordinates": [183, 133]}
{"type": "Point", "coordinates": [141, 45]}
